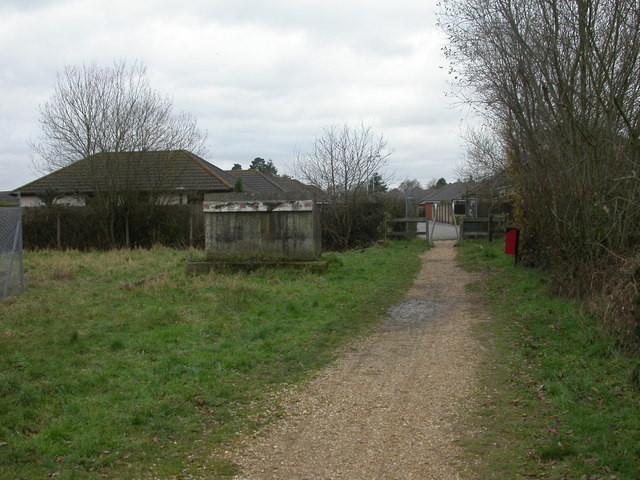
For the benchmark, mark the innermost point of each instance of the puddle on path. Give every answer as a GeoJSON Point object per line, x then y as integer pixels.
{"type": "Point", "coordinates": [412, 312]}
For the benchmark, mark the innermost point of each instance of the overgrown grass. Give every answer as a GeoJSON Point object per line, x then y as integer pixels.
{"type": "Point", "coordinates": [97, 381]}
{"type": "Point", "coordinates": [558, 397]}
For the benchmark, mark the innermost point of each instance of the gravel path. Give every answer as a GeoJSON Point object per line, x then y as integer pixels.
{"type": "Point", "coordinates": [389, 406]}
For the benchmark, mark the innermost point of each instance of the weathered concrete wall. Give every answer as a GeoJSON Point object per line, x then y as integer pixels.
{"type": "Point", "coordinates": [239, 225]}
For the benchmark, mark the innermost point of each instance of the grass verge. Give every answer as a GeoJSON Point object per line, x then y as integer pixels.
{"type": "Point", "coordinates": [558, 399]}
{"type": "Point", "coordinates": [99, 381]}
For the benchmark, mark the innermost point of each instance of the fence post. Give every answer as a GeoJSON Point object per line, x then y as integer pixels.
{"type": "Point", "coordinates": [58, 232]}
{"type": "Point", "coordinates": [384, 226]}
{"type": "Point", "coordinates": [127, 240]}
{"type": "Point", "coordinates": [16, 249]}
{"type": "Point", "coordinates": [490, 228]}
{"type": "Point", "coordinates": [190, 226]}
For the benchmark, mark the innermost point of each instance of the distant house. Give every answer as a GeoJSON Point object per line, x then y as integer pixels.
{"type": "Point", "coordinates": [123, 190]}
{"type": "Point", "coordinates": [410, 197]}
{"type": "Point", "coordinates": [442, 204]}
{"type": "Point", "coordinates": [169, 177]}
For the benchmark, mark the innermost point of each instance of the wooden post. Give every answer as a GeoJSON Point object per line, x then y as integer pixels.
{"type": "Point", "coordinates": [490, 228]}
{"type": "Point", "coordinates": [458, 229]}
{"type": "Point", "coordinates": [190, 227]}
{"type": "Point", "coordinates": [384, 226]}
{"type": "Point", "coordinates": [58, 232]}
{"type": "Point", "coordinates": [426, 230]}
{"type": "Point", "coordinates": [126, 231]}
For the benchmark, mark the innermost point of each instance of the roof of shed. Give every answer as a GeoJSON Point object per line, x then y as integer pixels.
{"type": "Point", "coordinates": [168, 170]}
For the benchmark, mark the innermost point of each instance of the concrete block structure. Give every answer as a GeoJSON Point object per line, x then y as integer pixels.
{"type": "Point", "coordinates": [279, 226]}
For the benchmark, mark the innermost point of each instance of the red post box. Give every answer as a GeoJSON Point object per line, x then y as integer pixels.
{"type": "Point", "coordinates": [511, 240]}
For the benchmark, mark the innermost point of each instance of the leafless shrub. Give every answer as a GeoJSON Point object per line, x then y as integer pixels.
{"type": "Point", "coordinates": [616, 298]}
{"type": "Point", "coordinates": [109, 109]}
{"type": "Point", "coordinates": [342, 163]}
{"type": "Point", "coordinates": [558, 83]}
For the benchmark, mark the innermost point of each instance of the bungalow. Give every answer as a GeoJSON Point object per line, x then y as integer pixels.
{"type": "Point", "coordinates": [449, 200]}
{"type": "Point", "coordinates": [170, 177]}
{"type": "Point", "coordinates": [174, 177]}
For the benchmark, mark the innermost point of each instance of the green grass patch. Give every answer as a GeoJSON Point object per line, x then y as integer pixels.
{"type": "Point", "coordinates": [97, 381]}
{"type": "Point", "coordinates": [558, 397]}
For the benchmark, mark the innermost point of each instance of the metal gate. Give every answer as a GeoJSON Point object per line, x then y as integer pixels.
{"type": "Point", "coordinates": [410, 227]}
{"type": "Point", "coordinates": [11, 268]}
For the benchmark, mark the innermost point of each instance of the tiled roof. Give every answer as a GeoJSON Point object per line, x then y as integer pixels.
{"type": "Point", "coordinates": [453, 191]}
{"type": "Point", "coordinates": [142, 171]}
{"type": "Point", "coordinates": [293, 185]}
{"type": "Point", "coordinates": [256, 181]}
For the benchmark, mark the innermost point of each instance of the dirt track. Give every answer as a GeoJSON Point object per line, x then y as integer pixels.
{"type": "Point", "coordinates": [387, 408]}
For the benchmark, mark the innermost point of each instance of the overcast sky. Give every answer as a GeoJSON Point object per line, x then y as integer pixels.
{"type": "Point", "coordinates": [262, 77]}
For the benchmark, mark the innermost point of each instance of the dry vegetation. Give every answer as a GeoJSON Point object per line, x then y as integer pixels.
{"type": "Point", "coordinates": [558, 83]}
{"type": "Point", "coordinates": [101, 381]}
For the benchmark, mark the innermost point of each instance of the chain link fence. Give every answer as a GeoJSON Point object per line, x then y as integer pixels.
{"type": "Point", "coordinates": [11, 269]}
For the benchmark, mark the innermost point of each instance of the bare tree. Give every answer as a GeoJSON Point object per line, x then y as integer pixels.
{"type": "Point", "coordinates": [109, 109]}
{"type": "Point", "coordinates": [343, 159]}
{"type": "Point", "coordinates": [484, 156]}
{"type": "Point", "coordinates": [558, 82]}
{"type": "Point", "coordinates": [407, 185]}
{"type": "Point", "coordinates": [342, 162]}
{"type": "Point", "coordinates": [430, 183]}
{"type": "Point", "coordinates": [106, 116]}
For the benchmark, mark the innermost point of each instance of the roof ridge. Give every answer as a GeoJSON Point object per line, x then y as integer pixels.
{"type": "Point", "coordinates": [270, 180]}
{"type": "Point", "coordinates": [206, 166]}
{"type": "Point", "coordinates": [255, 171]}
{"type": "Point", "coordinates": [74, 177]}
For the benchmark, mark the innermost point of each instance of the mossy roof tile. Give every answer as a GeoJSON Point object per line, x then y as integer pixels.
{"type": "Point", "coordinates": [168, 170]}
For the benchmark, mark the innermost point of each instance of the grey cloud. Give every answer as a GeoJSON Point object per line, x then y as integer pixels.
{"type": "Point", "coordinates": [261, 77]}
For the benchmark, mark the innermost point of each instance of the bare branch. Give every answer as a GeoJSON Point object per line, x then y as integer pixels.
{"type": "Point", "coordinates": [343, 162]}
{"type": "Point", "coordinates": [109, 109]}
